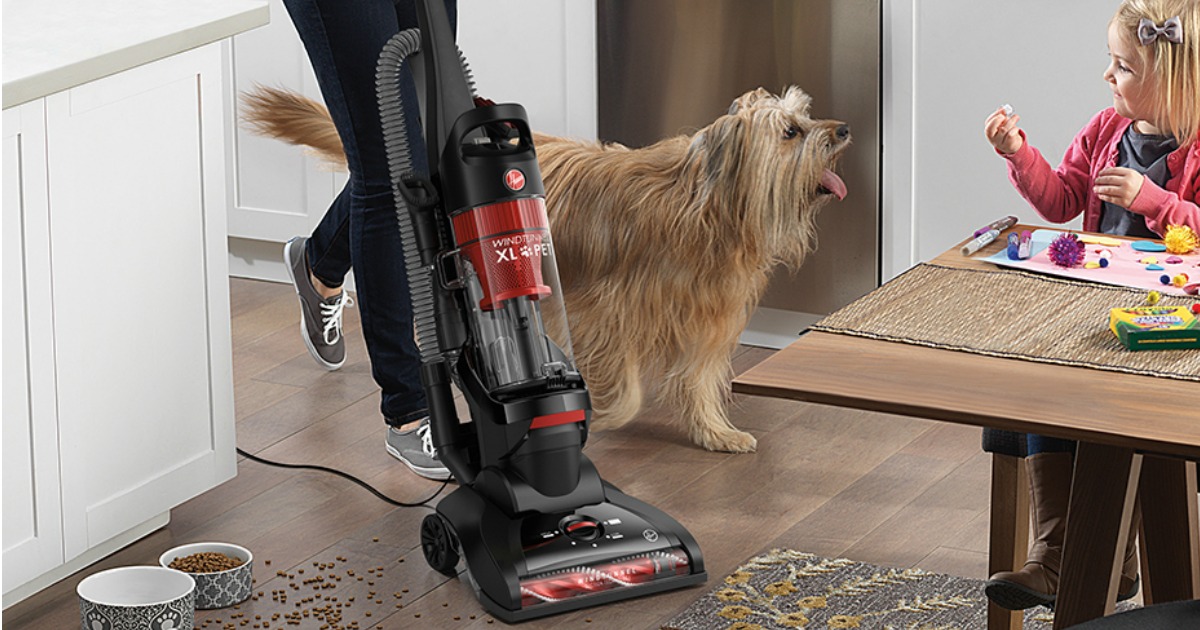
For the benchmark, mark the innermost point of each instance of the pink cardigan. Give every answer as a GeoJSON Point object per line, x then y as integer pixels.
{"type": "Point", "coordinates": [1059, 195]}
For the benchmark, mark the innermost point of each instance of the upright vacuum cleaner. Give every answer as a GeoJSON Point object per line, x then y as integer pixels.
{"type": "Point", "coordinates": [539, 531]}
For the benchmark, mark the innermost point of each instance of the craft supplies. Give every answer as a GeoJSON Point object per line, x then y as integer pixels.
{"type": "Point", "coordinates": [1095, 239]}
{"type": "Point", "coordinates": [1155, 327]}
{"type": "Point", "coordinates": [1119, 265]}
{"type": "Point", "coordinates": [1180, 239]}
{"type": "Point", "coordinates": [1148, 246]}
{"type": "Point", "coordinates": [1152, 298]}
{"type": "Point", "coordinates": [1008, 109]}
{"type": "Point", "coordinates": [999, 225]}
{"type": "Point", "coordinates": [1066, 250]}
{"type": "Point", "coordinates": [980, 242]}
{"type": "Point", "coordinates": [1026, 248]}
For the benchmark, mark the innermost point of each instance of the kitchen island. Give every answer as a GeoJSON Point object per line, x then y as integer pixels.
{"type": "Point", "coordinates": [117, 374]}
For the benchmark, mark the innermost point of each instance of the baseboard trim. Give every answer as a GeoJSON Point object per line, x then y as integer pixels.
{"type": "Point", "coordinates": [776, 328]}
{"type": "Point", "coordinates": [87, 558]}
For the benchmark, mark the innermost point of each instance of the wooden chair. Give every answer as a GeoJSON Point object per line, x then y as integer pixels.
{"type": "Point", "coordinates": [1009, 532]}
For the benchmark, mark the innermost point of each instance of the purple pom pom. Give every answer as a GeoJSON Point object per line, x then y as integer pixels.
{"type": "Point", "coordinates": [1066, 250]}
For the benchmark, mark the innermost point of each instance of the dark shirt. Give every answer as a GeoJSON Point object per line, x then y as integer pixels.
{"type": "Point", "coordinates": [1147, 155]}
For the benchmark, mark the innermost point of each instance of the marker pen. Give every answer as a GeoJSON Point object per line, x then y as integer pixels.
{"type": "Point", "coordinates": [998, 224]}
{"type": "Point", "coordinates": [980, 242]}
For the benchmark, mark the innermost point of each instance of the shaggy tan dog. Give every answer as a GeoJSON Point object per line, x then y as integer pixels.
{"type": "Point", "coordinates": [665, 251]}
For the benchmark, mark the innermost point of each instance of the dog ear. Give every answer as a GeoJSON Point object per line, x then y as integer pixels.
{"type": "Point", "coordinates": [719, 148]}
{"type": "Point", "coordinates": [748, 99]}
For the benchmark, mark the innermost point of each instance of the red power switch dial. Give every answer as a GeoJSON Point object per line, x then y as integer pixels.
{"type": "Point", "coordinates": [581, 528]}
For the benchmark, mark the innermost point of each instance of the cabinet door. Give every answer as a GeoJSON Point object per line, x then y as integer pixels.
{"type": "Point", "coordinates": [141, 317]}
{"type": "Point", "coordinates": [280, 191]}
{"type": "Point", "coordinates": [33, 542]}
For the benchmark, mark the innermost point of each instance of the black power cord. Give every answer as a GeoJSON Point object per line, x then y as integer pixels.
{"type": "Point", "coordinates": [372, 490]}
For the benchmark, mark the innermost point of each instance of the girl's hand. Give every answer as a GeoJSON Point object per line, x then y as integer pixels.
{"type": "Point", "coordinates": [1118, 185]}
{"type": "Point", "coordinates": [1001, 130]}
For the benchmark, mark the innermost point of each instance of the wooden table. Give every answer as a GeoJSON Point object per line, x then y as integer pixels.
{"type": "Point", "coordinates": [1127, 425]}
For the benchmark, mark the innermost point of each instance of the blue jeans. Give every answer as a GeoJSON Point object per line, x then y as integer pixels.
{"type": "Point", "coordinates": [343, 39]}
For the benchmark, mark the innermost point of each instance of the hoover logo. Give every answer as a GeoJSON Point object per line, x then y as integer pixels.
{"type": "Point", "coordinates": [514, 179]}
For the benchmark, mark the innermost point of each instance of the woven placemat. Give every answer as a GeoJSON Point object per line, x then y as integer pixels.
{"type": "Point", "coordinates": [1011, 314]}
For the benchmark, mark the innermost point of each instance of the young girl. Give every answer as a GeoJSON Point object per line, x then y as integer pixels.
{"type": "Point", "coordinates": [1133, 170]}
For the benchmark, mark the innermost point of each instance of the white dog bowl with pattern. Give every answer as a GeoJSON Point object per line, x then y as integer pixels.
{"type": "Point", "coordinates": [223, 588]}
{"type": "Point", "coordinates": [137, 598]}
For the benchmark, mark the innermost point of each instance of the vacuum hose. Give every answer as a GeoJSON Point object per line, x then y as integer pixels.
{"type": "Point", "coordinates": [395, 135]}
{"type": "Point", "coordinates": [419, 267]}
{"type": "Point", "coordinates": [437, 327]}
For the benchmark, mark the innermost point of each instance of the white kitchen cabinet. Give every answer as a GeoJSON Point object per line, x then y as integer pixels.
{"type": "Point", "coordinates": [117, 236]}
{"type": "Point", "coordinates": [32, 509]}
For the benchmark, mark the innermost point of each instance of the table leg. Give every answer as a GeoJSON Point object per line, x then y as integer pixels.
{"type": "Point", "coordinates": [1009, 532]}
{"type": "Point", "coordinates": [1169, 524]}
{"type": "Point", "coordinates": [1103, 491]}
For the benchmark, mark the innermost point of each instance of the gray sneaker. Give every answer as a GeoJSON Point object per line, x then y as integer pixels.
{"type": "Point", "coordinates": [414, 447]}
{"type": "Point", "coordinates": [320, 318]}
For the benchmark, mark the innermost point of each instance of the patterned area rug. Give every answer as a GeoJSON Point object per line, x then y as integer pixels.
{"type": "Point", "coordinates": [790, 589]}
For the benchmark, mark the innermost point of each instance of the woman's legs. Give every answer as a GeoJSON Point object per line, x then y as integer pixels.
{"type": "Point", "coordinates": [343, 39]}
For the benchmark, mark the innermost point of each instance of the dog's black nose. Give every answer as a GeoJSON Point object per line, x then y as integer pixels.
{"type": "Point", "coordinates": [843, 132]}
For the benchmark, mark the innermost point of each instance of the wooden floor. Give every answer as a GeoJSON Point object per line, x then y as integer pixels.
{"type": "Point", "coordinates": [889, 490]}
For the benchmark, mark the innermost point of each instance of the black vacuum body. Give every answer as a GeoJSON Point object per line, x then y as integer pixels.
{"type": "Point", "coordinates": [538, 529]}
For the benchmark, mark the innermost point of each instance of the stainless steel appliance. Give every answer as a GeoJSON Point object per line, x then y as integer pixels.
{"type": "Point", "coordinates": [672, 66]}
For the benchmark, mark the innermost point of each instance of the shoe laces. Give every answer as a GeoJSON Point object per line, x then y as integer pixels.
{"type": "Point", "coordinates": [331, 316]}
{"type": "Point", "coordinates": [425, 433]}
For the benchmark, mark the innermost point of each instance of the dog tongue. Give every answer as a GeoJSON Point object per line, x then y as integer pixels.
{"type": "Point", "coordinates": [833, 183]}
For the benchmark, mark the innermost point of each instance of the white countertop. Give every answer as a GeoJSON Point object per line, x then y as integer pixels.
{"type": "Point", "coordinates": [52, 45]}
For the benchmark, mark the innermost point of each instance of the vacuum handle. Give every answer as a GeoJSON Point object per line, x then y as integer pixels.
{"type": "Point", "coordinates": [459, 147]}
{"type": "Point", "coordinates": [475, 174]}
{"type": "Point", "coordinates": [447, 92]}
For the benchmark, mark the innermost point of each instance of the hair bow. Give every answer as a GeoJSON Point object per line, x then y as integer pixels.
{"type": "Point", "coordinates": [1171, 30]}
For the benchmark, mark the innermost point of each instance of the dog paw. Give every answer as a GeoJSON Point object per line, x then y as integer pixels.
{"type": "Point", "coordinates": [730, 442]}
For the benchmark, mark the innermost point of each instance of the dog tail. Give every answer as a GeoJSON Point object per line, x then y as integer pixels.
{"type": "Point", "coordinates": [295, 119]}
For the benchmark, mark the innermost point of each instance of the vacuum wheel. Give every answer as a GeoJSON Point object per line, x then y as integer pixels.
{"type": "Point", "coordinates": [438, 544]}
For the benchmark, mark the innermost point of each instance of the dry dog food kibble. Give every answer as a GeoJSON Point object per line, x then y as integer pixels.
{"type": "Point", "coordinates": [206, 562]}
